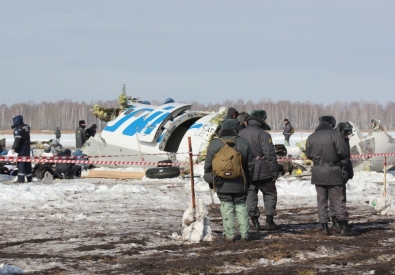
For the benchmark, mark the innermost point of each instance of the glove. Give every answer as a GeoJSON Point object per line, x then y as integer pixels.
{"type": "Point", "coordinates": [275, 176]}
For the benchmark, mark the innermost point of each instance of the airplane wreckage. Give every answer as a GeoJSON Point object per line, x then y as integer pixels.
{"type": "Point", "coordinates": [138, 131]}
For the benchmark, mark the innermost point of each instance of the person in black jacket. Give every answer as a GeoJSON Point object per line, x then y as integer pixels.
{"type": "Point", "coordinates": [231, 192]}
{"type": "Point", "coordinates": [287, 131]}
{"type": "Point", "coordinates": [265, 171]}
{"type": "Point", "coordinates": [345, 129]}
{"type": "Point", "coordinates": [22, 147]}
{"type": "Point", "coordinates": [329, 152]}
{"type": "Point", "coordinates": [91, 131]}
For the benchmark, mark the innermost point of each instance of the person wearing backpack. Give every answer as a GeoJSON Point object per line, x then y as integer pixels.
{"type": "Point", "coordinates": [288, 131]}
{"type": "Point", "coordinates": [265, 171]}
{"type": "Point", "coordinates": [228, 168]}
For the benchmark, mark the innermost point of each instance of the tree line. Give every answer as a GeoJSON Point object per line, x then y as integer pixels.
{"type": "Point", "coordinates": [302, 115]}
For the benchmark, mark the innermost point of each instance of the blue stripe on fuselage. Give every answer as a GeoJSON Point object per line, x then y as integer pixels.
{"type": "Point", "coordinates": [114, 127]}
{"type": "Point", "coordinates": [138, 125]}
{"type": "Point", "coordinates": [196, 125]}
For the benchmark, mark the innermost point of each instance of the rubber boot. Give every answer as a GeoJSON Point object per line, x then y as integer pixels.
{"type": "Point", "coordinates": [325, 229]}
{"type": "Point", "coordinates": [336, 225]}
{"type": "Point", "coordinates": [255, 223]}
{"type": "Point", "coordinates": [270, 225]}
{"type": "Point", "coordinates": [346, 231]}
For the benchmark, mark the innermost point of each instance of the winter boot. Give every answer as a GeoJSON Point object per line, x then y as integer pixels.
{"type": "Point", "coordinates": [255, 223]}
{"type": "Point", "coordinates": [270, 225]}
{"type": "Point", "coordinates": [325, 229]}
{"type": "Point", "coordinates": [345, 228]}
{"type": "Point", "coordinates": [336, 225]}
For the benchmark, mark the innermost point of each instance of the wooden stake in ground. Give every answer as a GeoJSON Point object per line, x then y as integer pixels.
{"type": "Point", "coordinates": [191, 172]}
{"type": "Point", "coordinates": [385, 176]}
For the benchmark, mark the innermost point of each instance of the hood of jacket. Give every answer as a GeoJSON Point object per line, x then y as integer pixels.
{"type": "Point", "coordinates": [18, 120]}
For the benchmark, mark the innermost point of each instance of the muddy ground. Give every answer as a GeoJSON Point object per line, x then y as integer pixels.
{"type": "Point", "coordinates": [106, 241]}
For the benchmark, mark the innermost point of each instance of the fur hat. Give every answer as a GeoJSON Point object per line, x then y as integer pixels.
{"type": "Point", "coordinates": [330, 119]}
{"type": "Point", "coordinates": [258, 113]}
{"type": "Point", "coordinates": [344, 128]}
{"type": "Point", "coordinates": [229, 124]}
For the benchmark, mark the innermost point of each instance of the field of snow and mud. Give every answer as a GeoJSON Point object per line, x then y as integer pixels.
{"type": "Point", "coordinates": [109, 226]}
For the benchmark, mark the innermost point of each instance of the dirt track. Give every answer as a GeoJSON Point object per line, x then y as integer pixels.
{"type": "Point", "coordinates": [297, 248]}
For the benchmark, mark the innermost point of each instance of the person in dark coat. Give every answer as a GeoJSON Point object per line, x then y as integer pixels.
{"type": "Point", "coordinates": [57, 134]}
{"type": "Point", "coordinates": [287, 131]}
{"type": "Point", "coordinates": [21, 146]}
{"type": "Point", "coordinates": [265, 171]}
{"type": "Point", "coordinates": [345, 129]}
{"type": "Point", "coordinates": [329, 152]}
{"type": "Point", "coordinates": [232, 113]}
{"type": "Point", "coordinates": [80, 134]}
{"type": "Point", "coordinates": [242, 120]}
{"type": "Point", "coordinates": [91, 131]}
{"type": "Point", "coordinates": [231, 192]}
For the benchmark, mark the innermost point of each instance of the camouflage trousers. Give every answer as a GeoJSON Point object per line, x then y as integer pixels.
{"type": "Point", "coordinates": [232, 204]}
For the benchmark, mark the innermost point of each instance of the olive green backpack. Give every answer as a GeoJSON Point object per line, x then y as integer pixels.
{"type": "Point", "coordinates": [227, 163]}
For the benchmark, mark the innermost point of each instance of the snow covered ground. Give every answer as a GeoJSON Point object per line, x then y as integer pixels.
{"type": "Point", "coordinates": [93, 225]}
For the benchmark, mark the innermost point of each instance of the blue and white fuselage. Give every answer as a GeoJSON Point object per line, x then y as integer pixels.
{"type": "Point", "coordinates": [154, 133]}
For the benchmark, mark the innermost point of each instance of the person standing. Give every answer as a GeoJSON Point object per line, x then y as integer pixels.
{"type": "Point", "coordinates": [231, 192]}
{"type": "Point", "coordinates": [265, 169]}
{"type": "Point", "coordinates": [288, 131]}
{"type": "Point", "coordinates": [345, 129]}
{"type": "Point", "coordinates": [21, 146]}
{"type": "Point", "coordinates": [57, 134]}
{"type": "Point", "coordinates": [91, 131]}
{"type": "Point", "coordinates": [232, 113]}
{"type": "Point", "coordinates": [328, 151]}
{"type": "Point", "coordinates": [80, 134]}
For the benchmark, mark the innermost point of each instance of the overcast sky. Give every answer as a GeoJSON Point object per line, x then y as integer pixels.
{"type": "Point", "coordinates": [209, 51]}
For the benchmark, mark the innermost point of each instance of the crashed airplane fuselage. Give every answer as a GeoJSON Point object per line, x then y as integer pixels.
{"type": "Point", "coordinates": [375, 142]}
{"type": "Point", "coordinates": [153, 133]}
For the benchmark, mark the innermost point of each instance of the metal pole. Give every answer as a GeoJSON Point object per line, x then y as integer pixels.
{"type": "Point", "coordinates": [191, 171]}
{"type": "Point", "coordinates": [385, 176]}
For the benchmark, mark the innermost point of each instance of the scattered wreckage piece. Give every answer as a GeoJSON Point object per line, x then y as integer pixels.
{"type": "Point", "coordinates": [163, 171]}
{"type": "Point", "coordinates": [114, 174]}
{"type": "Point", "coordinates": [291, 167]}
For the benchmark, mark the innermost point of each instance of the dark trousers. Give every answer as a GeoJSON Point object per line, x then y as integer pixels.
{"type": "Point", "coordinates": [269, 191]}
{"type": "Point", "coordinates": [335, 193]}
{"type": "Point", "coordinates": [24, 170]}
{"type": "Point", "coordinates": [332, 212]}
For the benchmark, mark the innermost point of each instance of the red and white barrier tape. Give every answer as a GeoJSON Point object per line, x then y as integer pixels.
{"type": "Point", "coordinates": [84, 160]}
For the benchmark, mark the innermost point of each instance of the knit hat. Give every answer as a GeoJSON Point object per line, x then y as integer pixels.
{"type": "Point", "coordinates": [231, 112]}
{"type": "Point", "coordinates": [229, 124]}
{"type": "Point", "coordinates": [81, 122]}
{"type": "Point", "coordinates": [330, 119]}
{"type": "Point", "coordinates": [259, 113]}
